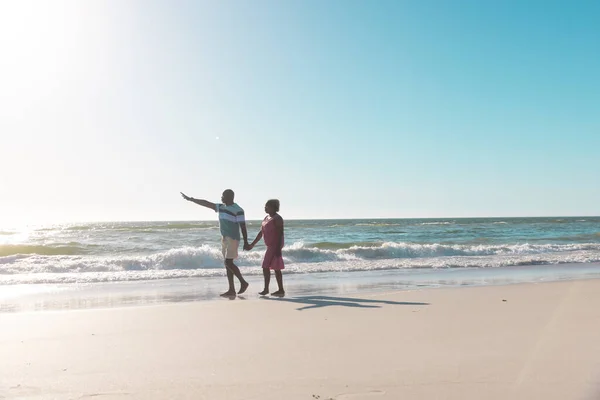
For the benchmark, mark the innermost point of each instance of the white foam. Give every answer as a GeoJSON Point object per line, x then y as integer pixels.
{"type": "Point", "coordinates": [305, 268]}
{"type": "Point", "coordinates": [208, 257]}
{"type": "Point", "coordinates": [206, 261]}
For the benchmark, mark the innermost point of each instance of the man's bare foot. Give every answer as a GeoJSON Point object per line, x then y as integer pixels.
{"type": "Point", "coordinates": [279, 293]}
{"type": "Point", "coordinates": [264, 292]}
{"type": "Point", "coordinates": [229, 293]}
{"type": "Point", "coordinates": [244, 287]}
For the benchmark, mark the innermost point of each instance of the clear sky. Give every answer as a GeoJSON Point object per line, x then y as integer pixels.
{"type": "Point", "coordinates": [338, 108]}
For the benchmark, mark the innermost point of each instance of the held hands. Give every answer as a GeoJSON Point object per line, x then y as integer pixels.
{"type": "Point", "coordinates": [248, 246]}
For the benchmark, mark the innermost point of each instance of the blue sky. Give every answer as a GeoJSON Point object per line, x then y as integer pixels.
{"type": "Point", "coordinates": [337, 108]}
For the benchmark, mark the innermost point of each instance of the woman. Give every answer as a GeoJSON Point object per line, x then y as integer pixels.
{"type": "Point", "coordinates": [272, 230]}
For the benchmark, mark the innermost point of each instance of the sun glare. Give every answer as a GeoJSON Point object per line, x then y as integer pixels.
{"type": "Point", "coordinates": [36, 38]}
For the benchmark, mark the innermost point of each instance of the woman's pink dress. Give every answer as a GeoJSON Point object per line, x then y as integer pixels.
{"type": "Point", "coordinates": [269, 231]}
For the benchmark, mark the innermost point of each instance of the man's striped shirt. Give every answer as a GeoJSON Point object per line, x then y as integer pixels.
{"type": "Point", "coordinates": [230, 218]}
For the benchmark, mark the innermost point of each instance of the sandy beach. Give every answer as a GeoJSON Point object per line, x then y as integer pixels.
{"type": "Point", "coordinates": [524, 341]}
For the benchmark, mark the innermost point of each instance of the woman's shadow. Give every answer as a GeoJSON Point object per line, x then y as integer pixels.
{"type": "Point", "coordinates": [326, 301]}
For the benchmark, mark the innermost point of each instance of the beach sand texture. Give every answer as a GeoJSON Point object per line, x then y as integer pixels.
{"type": "Point", "coordinates": [525, 341]}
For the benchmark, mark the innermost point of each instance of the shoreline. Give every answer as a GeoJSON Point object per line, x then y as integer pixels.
{"type": "Point", "coordinates": [43, 297]}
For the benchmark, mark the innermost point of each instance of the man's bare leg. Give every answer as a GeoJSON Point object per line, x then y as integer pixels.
{"type": "Point", "coordinates": [236, 271]}
{"type": "Point", "coordinates": [231, 291]}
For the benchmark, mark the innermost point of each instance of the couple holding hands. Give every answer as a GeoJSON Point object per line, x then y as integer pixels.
{"type": "Point", "coordinates": [231, 221]}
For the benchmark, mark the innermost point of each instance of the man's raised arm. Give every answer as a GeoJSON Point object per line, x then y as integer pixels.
{"type": "Point", "coordinates": [203, 203]}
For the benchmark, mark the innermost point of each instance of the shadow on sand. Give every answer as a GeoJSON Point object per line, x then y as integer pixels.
{"type": "Point", "coordinates": [326, 301]}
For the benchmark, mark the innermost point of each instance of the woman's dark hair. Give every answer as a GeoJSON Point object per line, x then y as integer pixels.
{"type": "Point", "coordinates": [274, 203]}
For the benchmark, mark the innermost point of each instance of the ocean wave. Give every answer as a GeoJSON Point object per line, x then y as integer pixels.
{"type": "Point", "coordinates": [204, 257]}
{"type": "Point", "coordinates": [437, 223]}
{"type": "Point", "coordinates": [47, 250]}
{"type": "Point", "coordinates": [378, 224]}
{"type": "Point", "coordinates": [455, 262]}
{"type": "Point", "coordinates": [143, 227]}
{"type": "Point", "coordinates": [210, 257]}
{"type": "Point", "coordinates": [298, 252]}
{"type": "Point", "coordinates": [332, 245]}
{"type": "Point", "coordinates": [594, 236]}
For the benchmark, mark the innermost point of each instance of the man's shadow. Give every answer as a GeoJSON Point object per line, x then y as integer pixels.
{"type": "Point", "coordinates": [325, 301]}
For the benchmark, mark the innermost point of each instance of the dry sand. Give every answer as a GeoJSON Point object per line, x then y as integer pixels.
{"type": "Point", "coordinates": [543, 342]}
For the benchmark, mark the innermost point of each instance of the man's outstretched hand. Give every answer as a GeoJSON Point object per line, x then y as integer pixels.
{"type": "Point", "coordinates": [185, 197]}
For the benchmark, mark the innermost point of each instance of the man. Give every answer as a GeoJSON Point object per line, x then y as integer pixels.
{"type": "Point", "coordinates": [231, 219]}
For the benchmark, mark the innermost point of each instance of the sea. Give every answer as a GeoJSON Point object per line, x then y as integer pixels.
{"type": "Point", "coordinates": [108, 264]}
